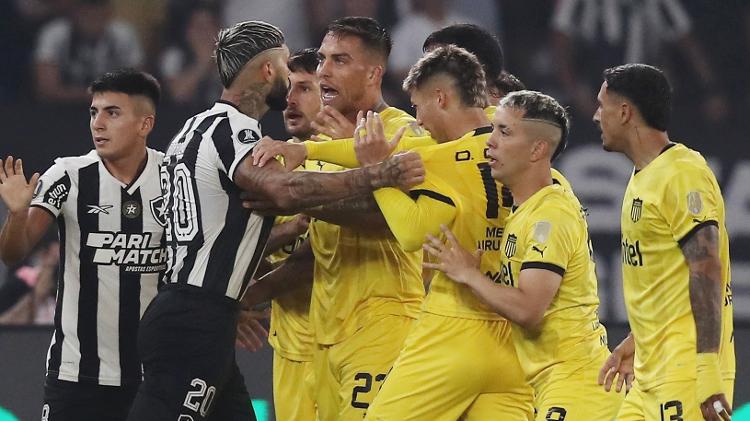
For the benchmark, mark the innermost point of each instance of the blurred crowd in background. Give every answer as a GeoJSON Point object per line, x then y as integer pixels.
{"type": "Point", "coordinates": [52, 49]}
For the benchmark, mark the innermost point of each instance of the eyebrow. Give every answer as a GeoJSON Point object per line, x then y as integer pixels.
{"type": "Point", "coordinates": [111, 107]}
{"type": "Point", "coordinates": [341, 55]}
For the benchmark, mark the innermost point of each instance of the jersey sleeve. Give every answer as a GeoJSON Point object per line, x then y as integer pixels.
{"type": "Point", "coordinates": [411, 217]}
{"type": "Point", "coordinates": [691, 201]}
{"type": "Point", "coordinates": [52, 190]}
{"type": "Point", "coordinates": [341, 151]}
{"type": "Point", "coordinates": [551, 240]}
{"type": "Point", "coordinates": [233, 143]}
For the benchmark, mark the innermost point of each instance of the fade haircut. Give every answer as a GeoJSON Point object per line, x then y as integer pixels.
{"type": "Point", "coordinates": [647, 88]}
{"type": "Point", "coordinates": [474, 39]}
{"type": "Point", "coordinates": [239, 44]}
{"type": "Point", "coordinates": [456, 63]}
{"type": "Point", "coordinates": [304, 61]}
{"type": "Point", "coordinates": [538, 106]}
{"type": "Point", "coordinates": [129, 82]}
{"type": "Point", "coordinates": [373, 35]}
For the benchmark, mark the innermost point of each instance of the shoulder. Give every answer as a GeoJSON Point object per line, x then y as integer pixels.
{"type": "Point", "coordinates": [75, 162]}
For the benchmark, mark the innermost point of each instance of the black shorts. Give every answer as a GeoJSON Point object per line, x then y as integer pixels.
{"type": "Point", "coordinates": [186, 341]}
{"type": "Point", "coordinates": [71, 401]}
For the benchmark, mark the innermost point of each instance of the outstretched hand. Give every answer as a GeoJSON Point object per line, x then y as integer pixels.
{"type": "Point", "coordinates": [619, 365]}
{"type": "Point", "coordinates": [267, 149]}
{"type": "Point", "coordinates": [15, 191]}
{"type": "Point", "coordinates": [332, 123]}
{"type": "Point", "coordinates": [455, 261]}
{"type": "Point", "coordinates": [250, 333]}
{"type": "Point", "coordinates": [371, 146]}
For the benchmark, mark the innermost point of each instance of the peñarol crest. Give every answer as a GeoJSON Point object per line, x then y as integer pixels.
{"type": "Point", "coordinates": [636, 209]}
{"type": "Point", "coordinates": [510, 246]}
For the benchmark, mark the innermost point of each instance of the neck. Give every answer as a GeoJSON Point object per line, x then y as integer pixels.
{"type": "Point", "coordinates": [126, 169]}
{"type": "Point", "coordinates": [251, 102]}
{"type": "Point", "coordinates": [529, 182]}
{"type": "Point", "coordinates": [645, 145]}
{"type": "Point", "coordinates": [464, 120]}
{"type": "Point", "coordinates": [376, 103]}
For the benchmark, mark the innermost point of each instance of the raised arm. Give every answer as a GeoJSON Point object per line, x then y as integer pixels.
{"type": "Point", "coordinates": [292, 191]}
{"type": "Point", "coordinates": [25, 225]}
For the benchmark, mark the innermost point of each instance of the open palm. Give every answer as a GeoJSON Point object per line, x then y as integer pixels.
{"type": "Point", "coordinates": [15, 190]}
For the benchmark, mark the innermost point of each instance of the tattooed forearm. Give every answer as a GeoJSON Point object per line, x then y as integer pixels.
{"type": "Point", "coordinates": [357, 204]}
{"type": "Point", "coordinates": [702, 255]}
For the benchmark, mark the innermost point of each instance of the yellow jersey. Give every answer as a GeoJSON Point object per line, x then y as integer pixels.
{"type": "Point", "coordinates": [664, 204]}
{"type": "Point", "coordinates": [458, 191]}
{"type": "Point", "coordinates": [290, 333]}
{"type": "Point", "coordinates": [549, 231]}
{"type": "Point", "coordinates": [360, 277]}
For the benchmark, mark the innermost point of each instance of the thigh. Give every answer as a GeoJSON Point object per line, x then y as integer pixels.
{"type": "Point", "coordinates": [324, 385]}
{"type": "Point", "coordinates": [632, 406]}
{"type": "Point", "coordinates": [291, 395]}
{"type": "Point", "coordinates": [72, 401]}
{"type": "Point", "coordinates": [233, 402]}
{"type": "Point", "coordinates": [673, 401]}
{"type": "Point", "coordinates": [511, 406]}
{"type": "Point", "coordinates": [576, 398]}
{"type": "Point", "coordinates": [445, 365]}
{"type": "Point", "coordinates": [362, 362]}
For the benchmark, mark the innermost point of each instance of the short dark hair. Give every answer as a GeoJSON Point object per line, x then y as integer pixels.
{"type": "Point", "coordinates": [474, 39]}
{"type": "Point", "coordinates": [508, 82]}
{"type": "Point", "coordinates": [539, 106]}
{"type": "Point", "coordinates": [372, 34]}
{"type": "Point", "coordinates": [239, 44]}
{"type": "Point", "coordinates": [304, 61]}
{"type": "Point", "coordinates": [645, 86]}
{"type": "Point", "coordinates": [457, 63]}
{"type": "Point", "coordinates": [130, 82]}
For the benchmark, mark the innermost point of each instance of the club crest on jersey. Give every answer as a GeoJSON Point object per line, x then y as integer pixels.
{"type": "Point", "coordinates": [541, 231]}
{"type": "Point", "coordinates": [694, 202]}
{"type": "Point", "coordinates": [131, 209]}
{"type": "Point", "coordinates": [636, 209]}
{"type": "Point", "coordinates": [510, 246]}
{"type": "Point", "coordinates": [248, 136]}
{"type": "Point", "coordinates": [159, 210]}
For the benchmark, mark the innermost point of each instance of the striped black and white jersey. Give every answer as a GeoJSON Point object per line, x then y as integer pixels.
{"type": "Point", "coordinates": [213, 243]}
{"type": "Point", "coordinates": [111, 257]}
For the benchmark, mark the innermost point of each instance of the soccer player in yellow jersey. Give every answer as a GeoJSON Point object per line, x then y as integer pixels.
{"type": "Point", "coordinates": [290, 333]}
{"type": "Point", "coordinates": [442, 372]}
{"type": "Point", "coordinates": [675, 258]}
{"type": "Point", "coordinates": [366, 289]}
{"type": "Point", "coordinates": [547, 284]}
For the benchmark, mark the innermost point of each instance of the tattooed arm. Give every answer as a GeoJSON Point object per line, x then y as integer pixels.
{"type": "Point", "coordinates": [360, 212]}
{"type": "Point", "coordinates": [290, 191]}
{"type": "Point", "coordinates": [701, 251]}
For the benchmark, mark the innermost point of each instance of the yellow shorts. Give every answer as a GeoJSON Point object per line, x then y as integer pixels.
{"type": "Point", "coordinates": [349, 374]}
{"type": "Point", "coordinates": [292, 397]}
{"type": "Point", "coordinates": [453, 368]}
{"type": "Point", "coordinates": [669, 401]}
{"type": "Point", "coordinates": [578, 397]}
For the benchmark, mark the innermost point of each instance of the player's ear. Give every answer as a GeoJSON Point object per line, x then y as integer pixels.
{"type": "Point", "coordinates": [539, 150]}
{"type": "Point", "coordinates": [442, 98]}
{"type": "Point", "coordinates": [147, 124]}
{"type": "Point", "coordinates": [626, 112]}
{"type": "Point", "coordinates": [375, 73]}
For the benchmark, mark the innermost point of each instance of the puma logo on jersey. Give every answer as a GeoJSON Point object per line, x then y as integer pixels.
{"type": "Point", "coordinates": [97, 209]}
{"type": "Point", "coordinates": [540, 251]}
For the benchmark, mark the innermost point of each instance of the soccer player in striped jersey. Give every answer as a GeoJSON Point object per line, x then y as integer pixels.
{"type": "Point", "coordinates": [214, 245]}
{"type": "Point", "coordinates": [675, 258]}
{"type": "Point", "coordinates": [547, 284]}
{"type": "Point", "coordinates": [110, 214]}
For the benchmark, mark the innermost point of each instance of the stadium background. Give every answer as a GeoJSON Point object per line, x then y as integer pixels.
{"type": "Point", "coordinates": [711, 104]}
